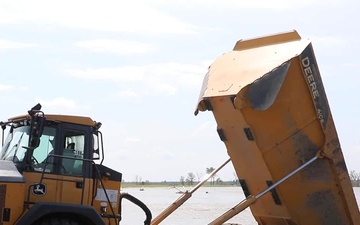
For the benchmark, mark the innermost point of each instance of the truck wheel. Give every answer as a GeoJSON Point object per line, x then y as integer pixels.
{"type": "Point", "coordinates": [56, 221]}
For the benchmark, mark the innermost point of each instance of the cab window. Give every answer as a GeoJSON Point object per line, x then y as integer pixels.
{"type": "Point", "coordinates": [73, 153]}
{"type": "Point", "coordinates": [15, 148]}
{"type": "Point", "coordinates": [46, 147]}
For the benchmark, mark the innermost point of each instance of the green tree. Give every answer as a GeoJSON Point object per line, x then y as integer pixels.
{"type": "Point", "coordinates": [182, 180]}
{"type": "Point", "coordinates": [210, 170]}
{"type": "Point", "coordinates": [191, 178]}
{"type": "Point", "coordinates": [199, 175]}
{"type": "Point", "coordinates": [138, 179]}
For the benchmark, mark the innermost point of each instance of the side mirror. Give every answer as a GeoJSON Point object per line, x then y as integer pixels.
{"type": "Point", "coordinates": [96, 146]}
{"type": "Point", "coordinates": [37, 120]}
{"type": "Point", "coordinates": [36, 130]}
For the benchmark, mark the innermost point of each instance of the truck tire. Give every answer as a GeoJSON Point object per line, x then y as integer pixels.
{"type": "Point", "coordinates": [56, 221]}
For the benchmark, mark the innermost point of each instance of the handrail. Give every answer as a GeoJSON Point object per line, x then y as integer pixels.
{"type": "Point", "coordinates": [97, 174]}
{"type": "Point", "coordinates": [138, 203]}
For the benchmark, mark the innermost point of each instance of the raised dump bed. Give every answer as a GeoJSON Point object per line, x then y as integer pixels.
{"type": "Point", "coordinates": [272, 112]}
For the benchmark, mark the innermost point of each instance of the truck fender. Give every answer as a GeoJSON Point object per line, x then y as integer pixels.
{"type": "Point", "coordinates": [43, 209]}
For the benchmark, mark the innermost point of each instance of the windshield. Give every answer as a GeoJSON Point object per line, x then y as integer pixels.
{"type": "Point", "coordinates": [13, 149]}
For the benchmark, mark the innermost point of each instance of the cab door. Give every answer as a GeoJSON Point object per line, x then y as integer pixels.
{"type": "Point", "coordinates": [42, 179]}
{"type": "Point", "coordinates": [75, 164]}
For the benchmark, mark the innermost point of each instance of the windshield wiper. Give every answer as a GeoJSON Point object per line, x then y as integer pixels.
{"type": "Point", "coordinates": [17, 146]}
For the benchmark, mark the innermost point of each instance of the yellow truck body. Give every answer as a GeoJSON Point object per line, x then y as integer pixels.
{"type": "Point", "coordinates": [272, 113]}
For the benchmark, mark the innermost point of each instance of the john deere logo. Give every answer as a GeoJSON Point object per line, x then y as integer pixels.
{"type": "Point", "coordinates": [39, 189]}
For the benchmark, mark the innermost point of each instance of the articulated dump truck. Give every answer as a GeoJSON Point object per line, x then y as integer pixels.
{"type": "Point", "coordinates": [270, 105]}
{"type": "Point", "coordinates": [273, 116]}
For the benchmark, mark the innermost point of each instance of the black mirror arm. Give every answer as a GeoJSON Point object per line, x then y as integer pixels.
{"type": "Point", "coordinates": [35, 110]}
{"type": "Point", "coordinates": [28, 155]}
{"type": "Point", "coordinates": [37, 119]}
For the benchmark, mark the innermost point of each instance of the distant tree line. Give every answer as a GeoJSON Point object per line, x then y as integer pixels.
{"type": "Point", "coordinates": [192, 178]}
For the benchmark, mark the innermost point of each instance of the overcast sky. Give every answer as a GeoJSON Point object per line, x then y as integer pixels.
{"type": "Point", "coordinates": [137, 66]}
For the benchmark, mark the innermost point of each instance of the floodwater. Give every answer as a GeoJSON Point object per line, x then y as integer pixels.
{"type": "Point", "coordinates": [206, 204]}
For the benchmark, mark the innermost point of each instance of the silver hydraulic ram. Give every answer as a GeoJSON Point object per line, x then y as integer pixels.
{"type": "Point", "coordinates": [184, 197]}
{"type": "Point", "coordinates": [252, 199]}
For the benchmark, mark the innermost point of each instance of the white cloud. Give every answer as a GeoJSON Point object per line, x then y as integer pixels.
{"type": "Point", "coordinates": [63, 106]}
{"type": "Point", "coordinates": [254, 4]}
{"type": "Point", "coordinates": [107, 15]}
{"type": "Point", "coordinates": [115, 46]}
{"type": "Point", "coordinates": [206, 129]}
{"type": "Point", "coordinates": [5, 87]}
{"type": "Point", "coordinates": [59, 102]}
{"type": "Point", "coordinates": [132, 140]}
{"type": "Point", "coordinates": [352, 65]}
{"type": "Point", "coordinates": [161, 87]}
{"type": "Point", "coordinates": [127, 93]}
{"type": "Point", "coordinates": [6, 44]}
{"type": "Point", "coordinates": [327, 41]}
{"type": "Point", "coordinates": [125, 74]}
{"type": "Point", "coordinates": [165, 78]}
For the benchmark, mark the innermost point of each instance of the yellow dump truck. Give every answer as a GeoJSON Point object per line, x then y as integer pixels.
{"type": "Point", "coordinates": [273, 116]}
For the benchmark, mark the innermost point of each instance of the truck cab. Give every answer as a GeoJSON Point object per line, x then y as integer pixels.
{"type": "Point", "coordinates": [68, 136]}
{"type": "Point", "coordinates": [57, 160]}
